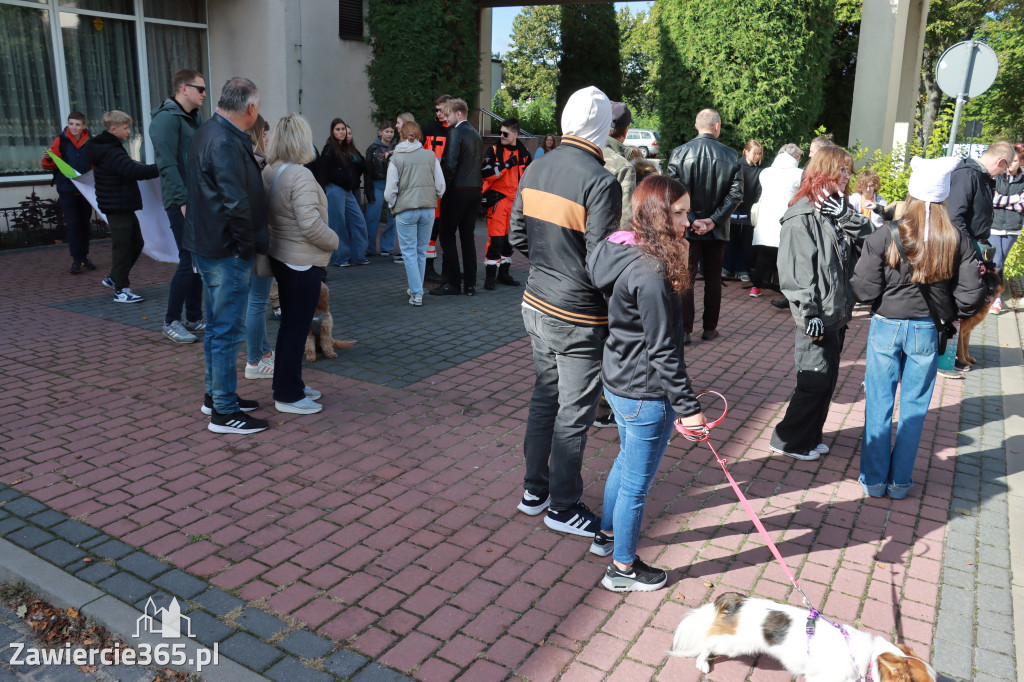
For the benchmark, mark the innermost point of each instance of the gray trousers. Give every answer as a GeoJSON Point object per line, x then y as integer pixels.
{"type": "Point", "coordinates": [567, 360]}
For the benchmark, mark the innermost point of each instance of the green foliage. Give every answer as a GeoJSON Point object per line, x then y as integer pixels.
{"type": "Point", "coordinates": [536, 117]}
{"type": "Point", "coordinates": [590, 51]}
{"type": "Point", "coordinates": [1014, 265]}
{"type": "Point", "coordinates": [531, 64]}
{"type": "Point", "coordinates": [842, 68]}
{"type": "Point", "coordinates": [760, 63]}
{"type": "Point", "coordinates": [416, 57]}
{"type": "Point", "coordinates": [999, 107]}
{"type": "Point", "coordinates": [638, 53]}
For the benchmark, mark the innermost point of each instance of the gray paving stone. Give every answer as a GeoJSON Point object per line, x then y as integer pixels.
{"type": "Point", "coordinates": [48, 518]}
{"type": "Point", "coordinates": [961, 541]}
{"type": "Point", "coordinates": [3, 514]}
{"type": "Point", "coordinates": [344, 664]}
{"type": "Point", "coordinates": [378, 673]}
{"type": "Point", "coordinates": [994, 620]}
{"type": "Point", "coordinates": [218, 602]}
{"type": "Point", "coordinates": [995, 556]}
{"type": "Point", "coordinates": [208, 629]}
{"type": "Point", "coordinates": [11, 524]}
{"type": "Point", "coordinates": [998, 664]}
{"type": "Point", "coordinates": [956, 578]}
{"type": "Point", "coordinates": [305, 644]}
{"type": "Point", "coordinates": [126, 673]}
{"type": "Point", "coordinates": [127, 588]}
{"type": "Point", "coordinates": [76, 532]}
{"type": "Point", "coordinates": [994, 599]}
{"type": "Point", "coordinates": [953, 659]}
{"type": "Point", "coordinates": [993, 575]}
{"type": "Point", "coordinates": [958, 559]}
{"type": "Point", "coordinates": [992, 535]}
{"type": "Point", "coordinates": [96, 572]}
{"type": "Point", "coordinates": [995, 640]}
{"type": "Point", "coordinates": [261, 623]}
{"type": "Point", "coordinates": [985, 677]}
{"type": "Point", "coordinates": [250, 651]}
{"type": "Point", "coordinates": [24, 507]}
{"type": "Point", "coordinates": [143, 565]}
{"type": "Point", "coordinates": [112, 549]}
{"type": "Point", "coordinates": [29, 537]}
{"type": "Point", "coordinates": [290, 669]}
{"type": "Point", "coordinates": [161, 600]}
{"type": "Point", "coordinates": [181, 584]}
{"type": "Point", "coordinates": [59, 552]}
{"type": "Point", "coordinates": [7, 493]}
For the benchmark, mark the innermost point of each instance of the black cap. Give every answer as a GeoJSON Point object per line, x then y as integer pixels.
{"type": "Point", "coordinates": [621, 116]}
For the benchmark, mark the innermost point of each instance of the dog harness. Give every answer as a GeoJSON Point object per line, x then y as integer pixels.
{"type": "Point", "coordinates": [812, 618]}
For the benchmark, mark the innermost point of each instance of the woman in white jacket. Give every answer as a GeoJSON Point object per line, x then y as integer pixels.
{"type": "Point", "coordinates": [779, 183]}
{"type": "Point", "coordinates": [414, 185]}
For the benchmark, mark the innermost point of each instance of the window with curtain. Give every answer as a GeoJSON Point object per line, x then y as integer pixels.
{"type": "Point", "coordinates": [170, 49]}
{"type": "Point", "coordinates": [102, 66]}
{"type": "Point", "coordinates": [29, 115]}
{"type": "Point", "coordinates": [176, 10]}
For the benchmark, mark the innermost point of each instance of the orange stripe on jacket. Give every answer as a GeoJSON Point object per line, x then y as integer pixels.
{"type": "Point", "coordinates": [551, 208]}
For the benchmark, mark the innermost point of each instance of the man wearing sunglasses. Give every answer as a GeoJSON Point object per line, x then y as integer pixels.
{"type": "Point", "coordinates": [174, 122]}
{"type": "Point", "coordinates": [503, 168]}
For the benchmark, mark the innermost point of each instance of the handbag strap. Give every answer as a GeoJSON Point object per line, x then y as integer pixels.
{"type": "Point", "coordinates": [936, 318]}
{"type": "Point", "coordinates": [270, 195]}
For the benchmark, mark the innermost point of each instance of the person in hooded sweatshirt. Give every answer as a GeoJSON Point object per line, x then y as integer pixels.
{"type": "Point", "coordinates": [567, 202]}
{"type": "Point", "coordinates": [643, 273]}
{"type": "Point", "coordinates": [75, 208]}
{"type": "Point", "coordinates": [118, 196]}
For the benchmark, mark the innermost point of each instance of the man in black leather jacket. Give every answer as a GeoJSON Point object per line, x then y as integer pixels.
{"type": "Point", "coordinates": [711, 171]}
{"type": "Point", "coordinates": [225, 226]}
{"type": "Point", "coordinates": [461, 202]}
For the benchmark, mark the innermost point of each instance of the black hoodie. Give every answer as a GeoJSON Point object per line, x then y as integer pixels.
{"type": "Point", "coordinates": [643, 356]}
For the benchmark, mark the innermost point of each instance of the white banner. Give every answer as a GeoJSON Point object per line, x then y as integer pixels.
{"type": "Point", "coordinates": [156, 228]}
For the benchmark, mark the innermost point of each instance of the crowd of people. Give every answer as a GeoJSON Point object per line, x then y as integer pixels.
{"type": "Point", "coordinates": [615, 248]}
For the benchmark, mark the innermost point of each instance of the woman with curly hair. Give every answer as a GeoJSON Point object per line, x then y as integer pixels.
{"type": "Point", "coordinates": [643, 272]}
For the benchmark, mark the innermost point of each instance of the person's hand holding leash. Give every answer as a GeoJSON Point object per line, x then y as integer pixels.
{"type": "Point", "coordinates": [695, 426]}
{"type": "Point", "coordinates": [815, 328]}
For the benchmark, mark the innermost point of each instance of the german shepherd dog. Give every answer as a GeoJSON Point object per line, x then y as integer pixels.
{"type": "Point", "coordinates": [994, 285]}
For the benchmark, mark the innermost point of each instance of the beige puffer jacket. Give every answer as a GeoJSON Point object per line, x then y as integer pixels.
{"type": "Point", "coordinates": [297, 218]}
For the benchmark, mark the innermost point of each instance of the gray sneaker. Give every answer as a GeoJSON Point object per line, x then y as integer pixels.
{"type": "Point", "coordinates": [197, 326]}
{"type": "Point", "coordinates": [177, 333]}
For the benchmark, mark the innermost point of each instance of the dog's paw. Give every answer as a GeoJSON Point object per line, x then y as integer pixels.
{"type": "Point", "coordinates": [311, 357]}
{"type": "Point", "coordinates": [330, 354]}
{"type": "Point", "coordinates": [971, 361]}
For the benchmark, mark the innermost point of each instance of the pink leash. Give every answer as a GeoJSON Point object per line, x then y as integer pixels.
{"type": "Point", "coordinates": [700, 435]}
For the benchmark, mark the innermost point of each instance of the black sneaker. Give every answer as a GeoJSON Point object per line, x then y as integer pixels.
{"type": "Point", "coordinates": [76, 268]}
{"type": "Point", "coordinates": [87, 264]}
{"type": "Point", "coordinates": [577, 520]}
{"type": "Point", "coordinates": [533, 505]}
{"type": "Point", "coordinates": [780, 303]}
{"type": "Point", "coordinates": [639, 578]}
{"type": "Point", "coordinates": [239, 422]}
{"type": "Point", "coordinates": [602, 544]}
{"type": "Point", "coordinates": [243, 404]}
{"type": "Point", "coordinates": [446, 290]}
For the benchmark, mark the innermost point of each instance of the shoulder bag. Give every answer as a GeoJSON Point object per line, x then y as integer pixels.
{"type": "Point", "coordinates": [946, 330]}
{"type": "Point", "coordinates": [261, 263]}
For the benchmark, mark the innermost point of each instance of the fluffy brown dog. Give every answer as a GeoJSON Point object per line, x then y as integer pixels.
{"type": "Point", "coordinates": [994, 285]}
{"type": "Point", "coordinates": [323, 338]}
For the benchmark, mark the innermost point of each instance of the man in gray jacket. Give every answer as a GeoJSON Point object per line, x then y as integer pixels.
{"type": "Point", "coordinates": [711, 171]}
{"type": "Point", "coordinates": [174, 122]}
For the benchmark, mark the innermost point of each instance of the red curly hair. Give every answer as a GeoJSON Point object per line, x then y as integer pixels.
{"type": "Point", "coordinates": [823, 171]}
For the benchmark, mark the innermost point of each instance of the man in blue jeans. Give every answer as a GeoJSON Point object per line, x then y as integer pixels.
{"type": "Point", "coordinates": [225, 226]}
{"type": "Point", "coordinates": [174, 123]}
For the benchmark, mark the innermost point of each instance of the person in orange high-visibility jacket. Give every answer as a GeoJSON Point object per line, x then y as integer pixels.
{"type": "Point", "coordinates": [435, 137]}
{"type": "Point", "coordinates": [503, 168]}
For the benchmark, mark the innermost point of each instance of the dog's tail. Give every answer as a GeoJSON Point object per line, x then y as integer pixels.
{"type": "Point", "coordinates": [338, 343]}
{"type": "Point", "coordinates": [692, 632]}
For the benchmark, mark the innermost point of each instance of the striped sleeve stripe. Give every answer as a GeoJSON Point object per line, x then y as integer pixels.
{"type": "Point", "coordinates": [574, 318]}
{"type": "Point", "coordinates": [551, 208]}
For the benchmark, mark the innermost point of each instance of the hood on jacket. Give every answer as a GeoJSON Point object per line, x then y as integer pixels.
{"type": "Point", "coordinates": [609, 260]}
{"type": "Point", "coordinates": [172, 106]}
{"type": "Point", "coordinates": [106, 138]}
{"type": "Point", "coordinates": [785, 160]}
{"type": "Point", "coordinates": [588, 114]}
{"type": "Point", "coordinates": [407, 146]}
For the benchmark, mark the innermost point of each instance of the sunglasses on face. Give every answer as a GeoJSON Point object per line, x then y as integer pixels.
{"type": "Point", "coordinates": [505, 134]}
{"type": "Point", "coordinates": [199, 88]}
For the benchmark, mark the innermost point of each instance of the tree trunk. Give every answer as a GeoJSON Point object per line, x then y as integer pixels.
{"type": "Point", "coordinates": [932, 100]}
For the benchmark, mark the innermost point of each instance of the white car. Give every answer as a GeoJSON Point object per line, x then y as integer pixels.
{"type": "Point", "coordinates": [643, 139]}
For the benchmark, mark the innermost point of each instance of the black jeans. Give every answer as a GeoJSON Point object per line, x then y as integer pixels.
{"type": "Point", "coordinates": [299, 291]}
{"type": "Point", "coordinates": [77, 212]}
{"type": "Point", "coordinates": [739, 253]}
{"type": "Point", "coordinates": [567, 360]}
{"type": "Point", "coordinates": [186, 285]}
{"type": "Point", "coordinates": [766, 268]}
{"type": "Point", "coordinates": [126, 246]}
{"type": "Point", "coordinates": [459, 209]}
{"type": "Point", "coordinates": [817, 371]}
{"type": "Point", "coordinates": [709, 252]}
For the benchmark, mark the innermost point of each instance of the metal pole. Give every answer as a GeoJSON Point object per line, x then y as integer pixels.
{"type": "Point", "coordinates": [961, 98]}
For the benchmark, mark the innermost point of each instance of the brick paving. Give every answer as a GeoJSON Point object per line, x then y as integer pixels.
{"type": "Point", "coordinates": [382, 535]}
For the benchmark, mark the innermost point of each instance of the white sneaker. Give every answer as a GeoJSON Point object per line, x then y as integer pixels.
{"type": "Point", "coordinates": [416, 299]}
{"type": "Point", "coordinates": [176, 332]}
{"type": "Point", "coordinates": [304, 406]}
{"type": "Point", "coordinates": [808, 456]}
{"type": "Point", "coordinates": [822, 449]}
{"type": "Point", "coordinates": [264, 369]}
{"type": "Point", "coordinates": [312, 393]}
{"type": "Point", "coordinates": [126, 296]}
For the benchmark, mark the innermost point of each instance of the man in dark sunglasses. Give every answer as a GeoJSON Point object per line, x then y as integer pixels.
{"type": "Point", "coordinates": [174, 122]}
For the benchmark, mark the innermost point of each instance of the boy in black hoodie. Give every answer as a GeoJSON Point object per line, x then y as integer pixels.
{"type": "Point", "coordinates": [118, 196]}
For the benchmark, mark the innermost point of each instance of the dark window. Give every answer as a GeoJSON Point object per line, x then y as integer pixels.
{"type": "Point", "coordinates": [350, 19]}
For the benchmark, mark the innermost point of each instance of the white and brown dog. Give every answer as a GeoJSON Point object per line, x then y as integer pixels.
{"type": "Point", "coordinates": [735, 625]}
{"type": "Point", "coordinates": [321, 337]}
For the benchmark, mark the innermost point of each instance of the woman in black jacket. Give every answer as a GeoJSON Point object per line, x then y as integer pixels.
{"type": "Point", "coordinates": [340, 166]}
{"type": "Point", "coordinates": [378, 155]}
{"type": "Point", "coordinates": [1007, 212]}
{"type": "Point", "coordinates": [739, 252]}
{"type": "Point", "coordinates": [643, 272]}
{"type": "Point", "coordinates": [932, 259]}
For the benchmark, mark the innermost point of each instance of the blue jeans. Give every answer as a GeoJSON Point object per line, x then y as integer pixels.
{"type": "Point", "coordinates": [896, 347]}
{"type": "Point", "coordinates": [226, 296]}
{"type": "Point", "coordinates": [644, 429]}
{"type": "Point", "coordinates": [346, 219]}
{"type": "Point", "coordinates": [567, 362]}
{"type": "Point", "coordinates": [373, 214]}
{"type": "Point", "coordinates": [414, 228]}
{"type": "Point", "coordinates": [186, 285]}
{"type": "Point", "coordinates": [256, 342]}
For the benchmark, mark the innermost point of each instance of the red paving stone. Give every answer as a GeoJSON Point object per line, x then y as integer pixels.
{"type": "Point", "coordinates": [387, 522]}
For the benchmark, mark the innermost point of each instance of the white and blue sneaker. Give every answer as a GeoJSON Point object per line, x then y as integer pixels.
{"type": "Point", "coordinates": [126, 296]}
{"type": "Point", "coordinates": [533, 505]}
{"type": "Point", "coordinates": [576, 520]}
{"type": "Point", "coordinates": [107, 282]}
{"type": "Point", "coordinates": [304, 406]}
